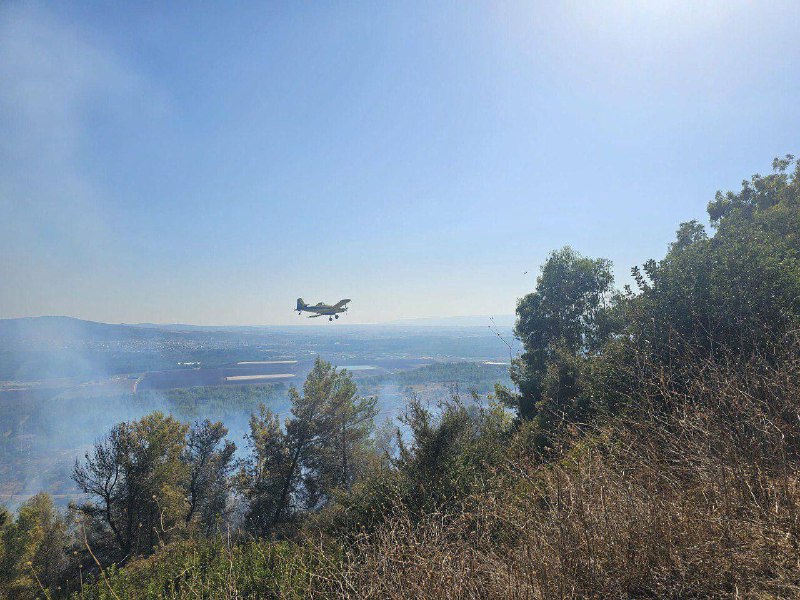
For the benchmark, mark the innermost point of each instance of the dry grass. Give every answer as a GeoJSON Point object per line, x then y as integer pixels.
{"type": "Point", "coordinates": [700, 500]}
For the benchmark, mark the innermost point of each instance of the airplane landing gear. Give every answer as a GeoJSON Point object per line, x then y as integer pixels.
{"type": "Point", "coordinates": [335, 316]}
{"type": "Point", "coordinates": [330, 318]}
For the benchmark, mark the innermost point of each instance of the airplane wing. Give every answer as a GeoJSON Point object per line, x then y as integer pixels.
{"type": "Point", "coordinates": [315, 316]}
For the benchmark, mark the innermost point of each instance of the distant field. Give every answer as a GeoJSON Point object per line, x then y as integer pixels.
{"type": "Point", "coordinates": [240, 372]}
{"type": "Point", "coordinates": [51, 348]}
{"type": "Point", "coordinates": [253, 371]}
{"type": "Point", "coordinates": [254, 377]}
{"type": "Point", "coordinates": [267, 362]}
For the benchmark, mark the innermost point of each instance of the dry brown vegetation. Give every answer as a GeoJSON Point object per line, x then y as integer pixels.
{"type": "Point", "coordinates": [691, 494]}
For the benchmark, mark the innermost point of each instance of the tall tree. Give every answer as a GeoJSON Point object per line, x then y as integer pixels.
{"type": "Point", "coordinates": [336, 455]}
{"type": "Point", "coordinates": [209, 458]}
{"type": "Point", "coordinates": [136, 477]}
{"type": "Point", "coordinates": [297, 467]}
{"type": "Point", "coordinates": [264, 472]}
{"type": "Point", "coordinates": [566, 318]}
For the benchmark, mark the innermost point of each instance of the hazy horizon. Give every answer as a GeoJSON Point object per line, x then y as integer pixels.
{"type": "Point", "coordinates": [164, 164]}
{"type": "Point", "coordinates": [437, 321]}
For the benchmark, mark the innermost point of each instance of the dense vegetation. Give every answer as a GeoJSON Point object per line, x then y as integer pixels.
{"type": "Point", "coordinates": [649, 447]}
{"type": "Point", "coordinates": [40, 430]}
{"type": "Point", "coordinates": [216, 402]}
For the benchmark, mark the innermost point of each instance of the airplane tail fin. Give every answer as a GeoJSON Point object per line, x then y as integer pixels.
{"type": "Point", "coordinates": [300, 304]}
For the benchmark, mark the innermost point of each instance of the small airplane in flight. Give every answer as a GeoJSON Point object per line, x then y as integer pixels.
{"type": "Point", "coordinates": [323, 310]}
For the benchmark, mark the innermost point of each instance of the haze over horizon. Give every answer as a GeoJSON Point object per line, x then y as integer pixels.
{"type": "Point", "coordinates": [499, 321]}
{"type": "Point", "coordinates": [167, 165]}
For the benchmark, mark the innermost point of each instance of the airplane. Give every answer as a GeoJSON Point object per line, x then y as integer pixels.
{"type": "Point", "coordinates": [323, 310]}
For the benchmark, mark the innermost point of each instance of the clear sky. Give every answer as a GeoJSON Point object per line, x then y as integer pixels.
{"type": "Point", "coordinates": [209, 162]}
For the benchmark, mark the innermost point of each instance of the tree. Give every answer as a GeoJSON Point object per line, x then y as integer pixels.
{"type": "Point", "coordinates": [736, 292]}
{"type": "Point", "coordinates": [567, 318]}
{"type": "Point", "coordinates": [209, 458]}
{"type": "Point", "coordinates": [34, 549]}
{"type": "Point", "coordinates": [447, 451]}
{"type": "Point", "coordinates": [264, 473]}
{"type": "Point", "coordinates": [760, 194]}
{"type": "Point", "coordinates": [340, 456]}
{"type": "Point", "coordinates": [298, 467]}
{"type": "Point", "coordinates": [136, 476]}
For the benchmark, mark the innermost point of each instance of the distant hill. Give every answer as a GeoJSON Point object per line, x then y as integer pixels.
{"type": "Point", "coordinates": [30, 332]}
{"type": "Point", "coordinates": [61, 330]}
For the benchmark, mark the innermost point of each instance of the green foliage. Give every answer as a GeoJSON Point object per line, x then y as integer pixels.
{"type": "Point", "coordinates": [445, 457]}
{"type": "Point", "coordinates": [449, 451]}
{"type": "Point", "coordinates": [265, 472]}
{"type": "Point", "coordinates": [693, 376]}
{"type": "Point", "coordinates": [760, 194]}
{"type": "Point", "coordinates": [209, 457]}
{"type": "Point", "coordinates": [320, 449]}
{"type": "Point", "coordinates": [218, 402]}
{"type": "Point", "coordinates": [213, 569]}
{"type": "Point", "coordinates": [567, 319]}
{"type": "Point", "coordinates": [149, 477]}
{"type": "Point", "coordinates": [33, 550]}
{"type": "Point", "coordinates": [736, 292]}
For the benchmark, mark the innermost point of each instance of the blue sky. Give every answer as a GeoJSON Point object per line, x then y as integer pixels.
{"type": "Point", "coordinates": [210, 162]}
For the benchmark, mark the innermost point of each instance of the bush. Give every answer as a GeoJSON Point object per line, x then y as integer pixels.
{"type": "Point", "coordinates": [212, 568]}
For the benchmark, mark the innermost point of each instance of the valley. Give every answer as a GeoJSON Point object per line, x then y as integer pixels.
{"type": "Point", "coordinates": [71, 380]}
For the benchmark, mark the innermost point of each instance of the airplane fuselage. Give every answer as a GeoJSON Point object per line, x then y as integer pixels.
{"type": "Point", "coordinates": [321, 309]}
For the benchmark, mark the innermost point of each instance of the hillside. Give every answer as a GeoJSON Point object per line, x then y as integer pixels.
{"type": "Point", "coordinates": [48, 332]}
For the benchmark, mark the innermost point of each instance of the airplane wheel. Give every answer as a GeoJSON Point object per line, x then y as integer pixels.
{"type": "Point", "coordinates": [330, 318]}
{"type": "Point", "coordinates": [337, 316]}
